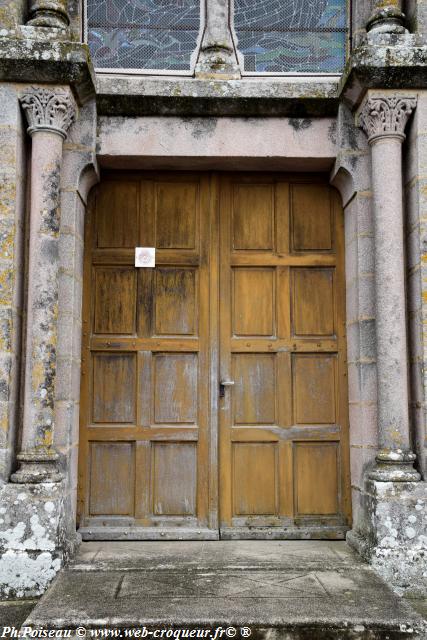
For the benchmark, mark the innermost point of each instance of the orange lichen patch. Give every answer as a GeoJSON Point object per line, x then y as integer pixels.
{"type": "Point", "coordinates": [8, 156]}
{"type": "Point", "coordinates": [6, 242]}
{"type": "Point", "coordinates": [5, 334]}
{"type": "Point", "coordinates": [38, 375]}
{"type": "Point", "coordinates": [6, 278]}
{"type": "Point", "coordinates": [397, 436]}
{"type": "Point", "coordinates": [47, 439]}
{"type": "Point", "coordinates": [4, 420]}
{"type": "Point", "coordinates": [382, 4]}
{"type": "Point", "coordinates": [8, 15]}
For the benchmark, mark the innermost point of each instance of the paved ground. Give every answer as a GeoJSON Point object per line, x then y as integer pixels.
{"type": "Point", "coordinates": [13, 613]}
{"type": "Point", "coordinates": [279, 589]}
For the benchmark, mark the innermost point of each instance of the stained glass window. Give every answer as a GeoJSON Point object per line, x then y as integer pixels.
{"type": "Point", "coordinates": [279, 36]}
{"type": "Point", "coordinates": [143, 34]}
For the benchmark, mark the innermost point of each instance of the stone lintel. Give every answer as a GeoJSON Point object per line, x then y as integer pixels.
{"type": "Point", "coordinates": [41, 61]}
{"type": "Point", "coordinates": [393, 62]}
{"type": "Point", "coordinates": [293, 97]}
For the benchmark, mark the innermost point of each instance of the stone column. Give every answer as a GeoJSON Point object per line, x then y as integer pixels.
{"type": "Point", "coordinates": [48, 13]}
{"type": "Point", "coordinates": [384, 119]}
{"type": "Point", "coordinates": [49, 115]}
{"type": "Point", "coordinates": [217, 52]}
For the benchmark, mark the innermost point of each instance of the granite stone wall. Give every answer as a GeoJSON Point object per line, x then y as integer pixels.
{"type": "Point", "coordinates": [148, 123]}
{"type": "Point", "coordinates": [415, 183]}
{"type": "Point", "coordinates": [13, 172]}
{"type": "Point", "coordinates": [351, 175]}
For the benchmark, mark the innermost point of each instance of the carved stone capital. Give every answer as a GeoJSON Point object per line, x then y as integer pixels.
{"type": "Point", "coordinates": [48, 13]}
{"type": "Point", "coordinates": [48, 110]}
{"type": "Point", "coordinates": [386, 116]}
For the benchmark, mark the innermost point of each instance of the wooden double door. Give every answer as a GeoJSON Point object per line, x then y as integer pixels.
{"type": "Point", "coordinates": [213, 396]}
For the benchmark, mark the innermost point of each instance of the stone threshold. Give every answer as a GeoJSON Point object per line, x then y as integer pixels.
{"type": "Point", "coordinates": [279, 589]}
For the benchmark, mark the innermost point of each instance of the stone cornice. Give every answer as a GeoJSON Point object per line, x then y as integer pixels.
{"type": "Point", "coordinates": [386, 115]}
{"type": "Point", "coordinates": [48, 110]}
{"type": "Point", "coordinates": [386, 61]}
{"type": "Point", "coordinates": [44, 61]}
{"type": "Point", "coordinates": [118, 95]}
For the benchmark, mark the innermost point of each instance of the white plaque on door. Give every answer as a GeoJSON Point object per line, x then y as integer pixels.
{"type": "Point", "coordinates": [145, 257]}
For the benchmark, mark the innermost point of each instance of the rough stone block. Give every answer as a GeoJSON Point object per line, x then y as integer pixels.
{"type": "Point", "coordinates": [6, 319]}
{"type": "Point", "coordinates": [67, 251]}
{"type": "Point", "coordinates": [352, 306]}
{"type": "Point", "coordinates": [368, 381]}
{"type": "Point", "coordinates": [414, 291]}
{"type": "Point", "coordinates": [361, 460]}
{"type": "Point", "coordinates": [363, 425]}
{"type": "Point", "coordinates": [415, 327]}
{"type": "Point", "coordinates": [366, 254]}
{"type": "Point", "coordinates": [10, 112]}
{"type": "Point", "coordinates": [64, 419]}
{"type": "Point", "coordinates": [31, 537]}
{"type": "Point", "coordinates": [400, 512]}
{"type": "Point", "coordinates": [5, 376]}
{"type": "Point", "coordinates": [353, 343]}
{"type": "Point", "coordinates": [65, 334]}
{"type": "Point", "coordinates": [76, 160]}
{"type": "Point", "coordinates": [413, 248]}
{"type": "Point", "coordinates": [350, 217]}
{"type": "Point", "coordinates": [351, 266]}
{"type": "Point", "coordinates": [63, 380]}
{"type": "Point", "coordinates": [68, 211]}
{"type": "Point", "coordinates": [367, 340]}
{"type": "Point", "coordinates": [411, 195]}
{"type": "Point", "coordinates": [75, 376]}
{"type": "Point", "coordinates": [366, 300]}
{"type": "Point", "coordinates": [394, 537]}
{"type": "Point", "coordinates": [77, 331]}
{"type": "Point", "coordinates": [365, 218]}
{"type": "Point", "coordinates": [6, 284]}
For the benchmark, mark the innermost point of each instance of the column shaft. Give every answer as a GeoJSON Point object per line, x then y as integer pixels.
{"type": "Point", "coordinates": [384, 120]}
{"type": "Point", "coordinates": [392, 358]}
{"type": "Point", "coordinates": [49, 115]}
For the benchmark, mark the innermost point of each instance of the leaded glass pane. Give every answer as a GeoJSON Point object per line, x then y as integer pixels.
{"type": "Point", "coordinates": [143, 34]}
{"type": "Point", "coordinates": [279, 36]}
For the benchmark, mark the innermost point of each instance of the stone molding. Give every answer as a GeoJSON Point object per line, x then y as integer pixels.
{"type": "Point", "coordinates": [386, 116]}
{"type": "Point", "coordinates": [49, 13]}
{"type": "Point", "coordinates": [217, 55]}
{"type": "Point", "coordinates": [386, 19]}
{"type": "Point", "coordinates": [48, 110]}
{"type": "Point", "coordinates": [395, 465]}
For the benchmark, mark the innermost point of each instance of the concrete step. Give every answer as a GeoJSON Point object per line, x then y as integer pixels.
{"type": "Point", "coordinates": [299, 590]}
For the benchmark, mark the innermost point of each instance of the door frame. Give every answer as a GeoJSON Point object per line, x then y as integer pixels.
{"type": "Point", "coordinates": [137, 533]}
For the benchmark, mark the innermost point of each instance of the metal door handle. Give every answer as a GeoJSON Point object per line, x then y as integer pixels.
{"type": "Point", "coordinates": [222, 385]}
